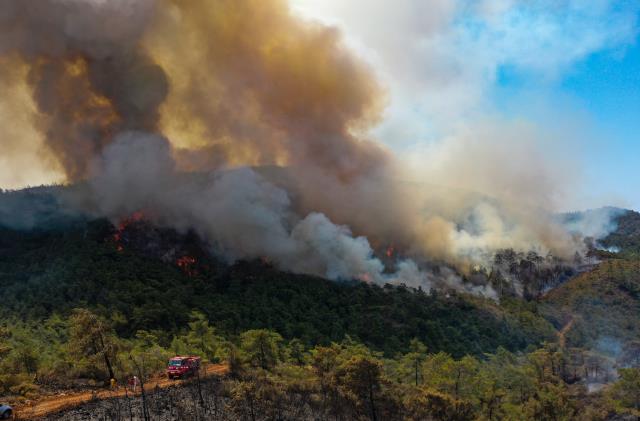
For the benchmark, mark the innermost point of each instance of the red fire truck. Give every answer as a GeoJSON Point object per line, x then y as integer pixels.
{"type": "Point", "coordinates": [181, 367]}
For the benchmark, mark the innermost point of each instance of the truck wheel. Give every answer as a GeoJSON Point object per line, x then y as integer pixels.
{"type": "Point", "coordinates": [7, 414]}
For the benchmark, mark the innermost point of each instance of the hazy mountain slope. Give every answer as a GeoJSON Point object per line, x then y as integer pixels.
{"type": "Point", "coordinates": [604, 304]}
{"type": "Point", "coordinates": [626, 236]}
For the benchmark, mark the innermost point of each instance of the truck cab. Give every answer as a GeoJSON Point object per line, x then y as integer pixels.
{"type": "Point", "coordinates": [181, 367]}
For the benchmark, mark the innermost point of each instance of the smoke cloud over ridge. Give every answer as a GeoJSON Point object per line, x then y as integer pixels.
{"type": "Point", "coordinates": [134, 95]}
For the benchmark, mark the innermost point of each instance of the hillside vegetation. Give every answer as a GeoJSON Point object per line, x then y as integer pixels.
{"type": "Point", "coordinates": [626, 236]}
{"type": "Point", "coordinates": [85, 301]}
{"type": "Point", "coordinates": [604, 304]}
{"type": "Point", "coordinates": [47, 272]}
{"type": "Point", "coordinates": [271, 378]}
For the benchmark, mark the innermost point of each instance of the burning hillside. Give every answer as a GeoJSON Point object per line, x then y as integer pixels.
{"type": "Point", "coordinates": [131, 98]}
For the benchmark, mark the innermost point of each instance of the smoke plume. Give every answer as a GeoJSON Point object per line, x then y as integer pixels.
{"type": "Point", "coordinates": [240, 212]}
{"type": "Point", "coordinates": [166, 106]}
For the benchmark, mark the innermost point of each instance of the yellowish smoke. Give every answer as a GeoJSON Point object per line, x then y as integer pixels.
{"type": "Point", "coordinates": [243, 83]}
{"type": "Point", "coordinates": [252, 85]}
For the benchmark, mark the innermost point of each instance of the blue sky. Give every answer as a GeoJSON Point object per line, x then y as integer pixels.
{"type": "Point", "coordinates": [557, 82]}
{"type": "Point", "coordinates": [604, 89]}
{"type": "Point", "coordinates": [608, 86]}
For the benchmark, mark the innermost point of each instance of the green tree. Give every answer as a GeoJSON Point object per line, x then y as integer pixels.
{"type": "Point", "coordinates": [28, 356]}
{"type": "Point", "coordinates": [179, 346]}
{"type": "Point", "coordinates": [361, 381]}
{"type": "Point", "coordinates": [625, 393]}
{"type": "Point", "coordinates": [296, 352]}
{"type": "Point", "coordinates": [428, 404]}
{"type": "Point", "coordinates": [147, 353]}
{"type": "Point", "coordinates": [261, 347]}
{"type": "Point", "coordinates": [550, 402]}
{"type": "Point", "coordinates": [324, 361]}
{"type": "Point", "coordinates": [412, 360]}
{"type": "Point", "coordinates": [202, 337]}
{"type": "Point", "coordinates": [91, 337]}
{"type": "Point", "coordinates": [455, 377]}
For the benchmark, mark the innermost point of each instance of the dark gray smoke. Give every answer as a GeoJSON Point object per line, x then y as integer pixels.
{"type": "Point", "coordinates": [89, 76]}
{"type": "Point", "coordinates": [132, 94]}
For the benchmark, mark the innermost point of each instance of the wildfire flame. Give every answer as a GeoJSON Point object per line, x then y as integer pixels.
{"type": "Point", "coordinates": [188, 265]}
{"type": "Point", "coordinates": [123, 225]}
{"type": "Point", "coordinates": [390, 251]}
{"type": "Point", "coordinates": [365, 277]}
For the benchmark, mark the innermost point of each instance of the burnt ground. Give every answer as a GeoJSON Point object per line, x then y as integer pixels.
{"type": "Point", "coordinates": [213, 398]}
{"type": "Point", "coordinates": [63, 402]}
{"type": "Point", "coordinates": [179, 402]}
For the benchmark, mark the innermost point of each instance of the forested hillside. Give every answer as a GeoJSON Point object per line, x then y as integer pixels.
{"type": "Point", "coordinates": [47, 272]}
{"type": "Point", "coordinates": [604, 305]}
{"type": "Point", "coordinates": [626, 236]}
{"type": "Point", "coordinates": [303, 346]}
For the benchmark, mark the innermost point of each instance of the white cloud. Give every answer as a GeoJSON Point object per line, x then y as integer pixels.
{"type": "Point", "coordinates": [442, 62]}
{"type": "Point", "coordinates": [441, 58]}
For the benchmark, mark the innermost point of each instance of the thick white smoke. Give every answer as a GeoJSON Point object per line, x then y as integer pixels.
{"type": "Point", "coordinates": [240, 213]}
{"type": "Point", "coordinates": [243, 83]}
{"type": "Point", "coordinates": [594, 223]}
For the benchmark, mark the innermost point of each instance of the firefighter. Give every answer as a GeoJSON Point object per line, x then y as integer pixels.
{"type": "Point", "coordinates": [113, 383]}
{"type": "Point", "coordinates": [133, 383]}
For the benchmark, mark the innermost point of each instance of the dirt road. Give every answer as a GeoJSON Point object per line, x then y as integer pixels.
{"type": "Point", "coordinates": [562, 334]}
{"type": "Point", "coordinates": [53, 404]}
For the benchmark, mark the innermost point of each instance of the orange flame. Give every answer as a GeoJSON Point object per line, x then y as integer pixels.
{"type": "Point", "coordinates": [122, 226]}
{"type": "Point", "coordinates": [187, 264]}
{"type": "Point", "coordinates": [390, 251]}
{"type": "Point", "coordinates": [365, 277]}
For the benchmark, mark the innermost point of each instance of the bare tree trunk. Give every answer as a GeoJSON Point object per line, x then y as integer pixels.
{"type": "Point", "coordinates": [145, 410]}
{"type": "Point", "coordinates": [374, 417]}
{"type": "Point", "coordinates": [126, 395]}
{"type": "Point", "coordinates": [106, 358]}
{"type": "Point", "coordinates": [199, 387]}
{"type": "Point", "coordinates": [108, 364]}
{"type": "Point", "coordinates": [263, 358]}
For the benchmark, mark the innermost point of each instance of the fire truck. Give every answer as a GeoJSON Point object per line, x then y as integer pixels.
{"type": "Point", "coordinates": [180, 367]}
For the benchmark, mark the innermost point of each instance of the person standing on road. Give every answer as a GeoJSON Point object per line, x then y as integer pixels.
{"type": "Point", "coordinates": [133, 383]}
